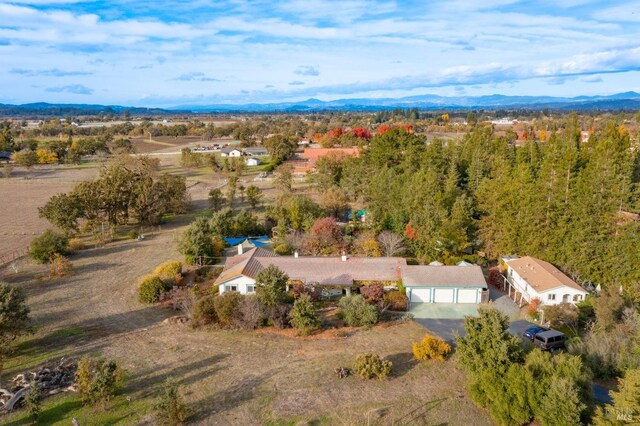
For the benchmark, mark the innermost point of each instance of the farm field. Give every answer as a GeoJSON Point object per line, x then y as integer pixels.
{"type": "Point", "coordinates": [145, 145]}
{"type": "Point", "coordinates": [24, 192]}
{"type": "Point", "coordinates": [229, 377]}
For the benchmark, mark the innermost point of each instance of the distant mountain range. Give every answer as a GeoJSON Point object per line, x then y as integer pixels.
{"type": "Point", "coordinates": [619, 101]}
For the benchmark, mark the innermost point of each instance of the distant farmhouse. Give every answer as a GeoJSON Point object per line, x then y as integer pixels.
{"type": "Point", "coordinates": [230, 151]}
{"type": "Point", "coordinates": [529, 278]}
{"type": "Point", "coordinates": [340, 275]}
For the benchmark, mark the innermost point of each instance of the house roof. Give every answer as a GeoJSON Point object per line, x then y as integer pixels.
{"type": "Point", "coordinates": [313, 154]}
{"type": "Point", "coordinates": [442, 276]}
{"type": "Point", "coordinates": [541, 276]}
{"type": "Point", "coordinates": [321, 270]}
{"type": "Point", "coordinates": [335, 271]}
{"type": "Point", "coordinates": [229, 149]}
{"type": "Point", "coordinates": [242, 264]}
{"type": "Point", "coordinates": [256, 150]}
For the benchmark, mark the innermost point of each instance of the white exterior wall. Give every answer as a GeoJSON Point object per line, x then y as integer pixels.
{"type": "Point", "coordinates": [235, 153]}
{"type": "Point", "coordinates": [443, 295]}
{"type": "Point", "coordinates": [559, 293]}
{"type": "Point", "coordinates": [241, 284]}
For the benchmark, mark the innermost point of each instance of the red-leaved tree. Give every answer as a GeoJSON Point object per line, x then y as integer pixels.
{"type": "Point", "coordinates": [326, 237]}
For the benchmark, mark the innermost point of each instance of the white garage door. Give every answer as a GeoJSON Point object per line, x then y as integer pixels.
{"type": "Point", "coordinates": [467, 295]}
{"type": "Point", "coordinates": [443, 295]}
{"type": "Point", "coordinates": [420, 295]}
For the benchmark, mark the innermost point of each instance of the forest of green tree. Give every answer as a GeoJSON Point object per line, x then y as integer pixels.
{"type": "Point", "coordinates": [564, 201]}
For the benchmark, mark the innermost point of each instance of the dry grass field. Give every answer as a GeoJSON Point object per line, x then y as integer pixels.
{"type": "Point", "coordinates": [24, 192]}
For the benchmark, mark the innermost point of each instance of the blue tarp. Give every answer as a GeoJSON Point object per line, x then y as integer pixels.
{"type": "Point", "coordinates": [258, 241]}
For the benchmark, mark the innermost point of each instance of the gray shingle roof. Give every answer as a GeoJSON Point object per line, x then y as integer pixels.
{"type": "Point", "coordinates": [442, 276]}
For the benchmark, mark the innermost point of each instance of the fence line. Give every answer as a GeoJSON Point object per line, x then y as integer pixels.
{"type": "Point", "coordinates": [418, 413]}
{"type": "Point", "coordinates": [15, 254]}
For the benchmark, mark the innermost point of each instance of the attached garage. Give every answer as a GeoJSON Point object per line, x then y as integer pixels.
{"type": "Point", "coordinates": [444, 295]}
{"type": "Point", "coordinates": [468, 295]}
{"type": "Point", "coordinates": [443, 284]}
{"type": "Point", "coordinates": [420, 295]}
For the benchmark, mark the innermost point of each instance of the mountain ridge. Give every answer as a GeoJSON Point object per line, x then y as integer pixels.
{"type": "Point", "coordinates": [617, 101]}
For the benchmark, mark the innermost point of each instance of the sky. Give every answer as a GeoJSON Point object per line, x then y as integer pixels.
{"type": "Point", "coordinates": [203, 52]}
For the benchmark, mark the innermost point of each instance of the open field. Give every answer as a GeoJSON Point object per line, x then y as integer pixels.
{"type": "Point", "coordinates": [145, 144]}
{"type": "Point", "coordinates": [24, 192]}
{"type": "Point", "coordinates": [229, 377]}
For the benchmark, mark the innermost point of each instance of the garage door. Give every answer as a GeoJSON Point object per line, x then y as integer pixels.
{"type": "Point", "coordinates": [420, 295]}
{"type": "Point", "coordinates": [443, 295]}
{"type": "Point", "coordinates": [467, 295]}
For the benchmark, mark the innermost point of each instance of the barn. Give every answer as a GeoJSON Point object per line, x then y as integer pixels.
{"type": "Point", "coordinates": [443, 284]}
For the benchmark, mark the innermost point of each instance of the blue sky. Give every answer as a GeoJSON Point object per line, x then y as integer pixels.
{"type": "Point", "coordinates": [180, 52]}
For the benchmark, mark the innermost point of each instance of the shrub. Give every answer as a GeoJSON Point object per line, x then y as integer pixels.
{"type": "Point", "coordinates": [99, 380]}
{"type": "Point", "coordinates": [32, 402]}
{"type": "Point", "coordinates": [396, 300]}
{"type": "Point", "coordinates": [59, 266]}
{"type": "Point", "coordinates": [75, 244]}
{"type": "Point", "coordinates": [204, 311]}
{"type": "Point", "coordinates": [46, 245]}
{"type": "Point", "coordinates": [532, 307]}
{"type": "Point", "coordinates": [431, 347]}
{"type": "Point", "coordinates": [283, 249]}
{"type": "Point", "coordinates": [495, 279]}
{"type": "Point", "coordinates": [279, 315]}
{"type": "Point", "coordinates": [303, 315]}
{"type": "Point", "coordinates": [370, 365]}
{"type": "Point", "coordinates": [271, 286]}
{"type": "Point", "coordinates": [171, 408]}
{"type": "Point", "coordinates": [314, 292]}
{"type": "Point", "coordinates": [373, 293]}
{"type": "Point", "coordinates": [562, 314]}
{"type": "Point", "coordinates": [357, 312]}
{"type": "Point", "coordinates": [133, 234]}
{"type": "Point", "coordinates": [250, 313]}
{"type": "Point", "coordinates": [150, 288]}
{"type": "Point", "coordinates": [170, 272]}
{"type": "Point", "coordinates": [225, 306]}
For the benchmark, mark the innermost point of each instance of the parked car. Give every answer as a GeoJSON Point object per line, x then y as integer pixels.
{"type": "Point", "coordinates": [530, 333]}
{"type": "Point", "coordinates": [550, 340]}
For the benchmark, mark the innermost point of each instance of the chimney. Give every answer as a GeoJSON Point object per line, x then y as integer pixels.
{"type": "Point", "coordinates": [240, 249]}
{"type": "Point", "coordinates": [295, 254]}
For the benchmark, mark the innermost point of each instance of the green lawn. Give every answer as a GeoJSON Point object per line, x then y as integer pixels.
{"type": "Point", "coordinates": [61, 409]}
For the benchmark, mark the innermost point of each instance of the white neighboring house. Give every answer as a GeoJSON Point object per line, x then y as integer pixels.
{"type": "Point", "coordinates": [252, 161]}
{"type": "Point", "coordinates": [230, 152]}
{"type": "Point", "coordinates": [532, 278]}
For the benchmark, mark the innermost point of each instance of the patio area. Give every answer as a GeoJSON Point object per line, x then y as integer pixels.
{"type": "Point", "coordinates": [443, 310]}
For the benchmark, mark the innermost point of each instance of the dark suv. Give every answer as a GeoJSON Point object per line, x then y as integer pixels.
{"type": "Point", "coordinates": [550, 340]}
{"type": "Point", "coordinates": [530, 333]}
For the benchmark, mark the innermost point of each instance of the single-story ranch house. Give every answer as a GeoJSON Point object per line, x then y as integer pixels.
{"type": "Point", "coordinates": [338, 275]}
{"type": "Point", "coordinates": [531, 278]}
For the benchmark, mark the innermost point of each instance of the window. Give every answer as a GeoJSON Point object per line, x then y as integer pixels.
{"type": "Point", "coordinates": [232, 288]}
{"type": "Point", "coordinates": [551, 297]}
{"type": "Point", "coordinates": [251, 289]}
{"type": "Point", "coordinates": [577, 297]}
